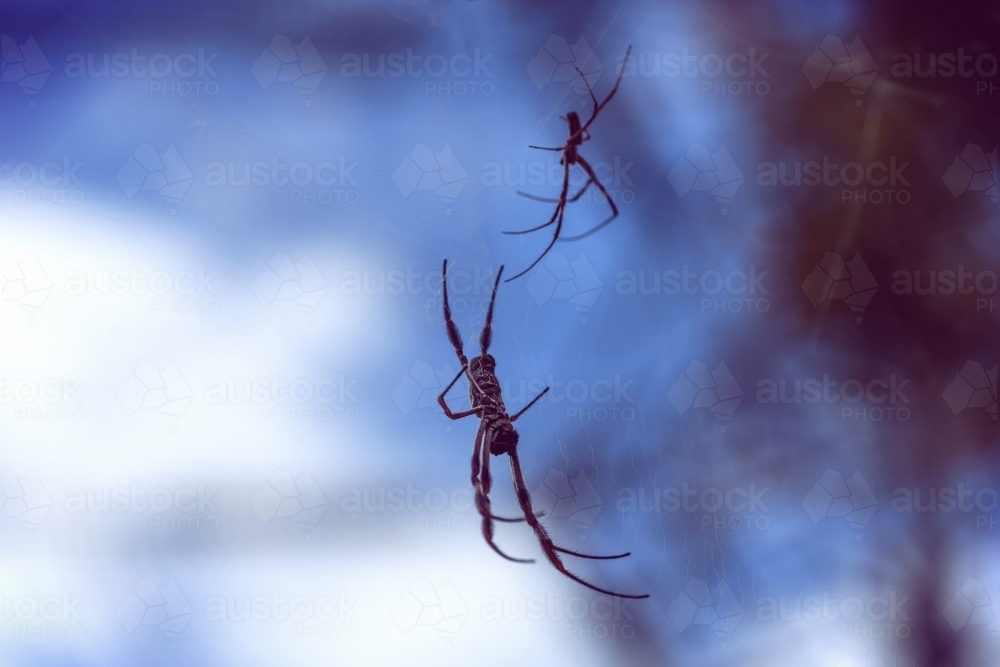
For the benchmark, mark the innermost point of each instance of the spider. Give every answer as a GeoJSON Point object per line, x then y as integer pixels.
{"type": "Point", "coordinates": [497, 436]}
{"type": "Point", "coordinates": [570, 155]}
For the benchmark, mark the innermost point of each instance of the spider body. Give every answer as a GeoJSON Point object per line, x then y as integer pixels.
{"type": "Point", "coordinates": [484, 394]}
{"type": "Point", "coordinates": [576, 138]}
{"type": "Point", "coordinates": [497, 436]}
{"type": "Point", "coordinates": [578, 133]}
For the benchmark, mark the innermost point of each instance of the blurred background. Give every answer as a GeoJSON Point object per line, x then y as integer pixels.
{"type": "Point", "coordinates": [773, 377]}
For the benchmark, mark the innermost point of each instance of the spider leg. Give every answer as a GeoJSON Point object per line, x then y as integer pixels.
{"type": "Point", "coordinates": [456, 340]}
{"type": "Point", "coordinates": [486, 337]}
{"type": "Point", "coordinates": [453, 334]}
{"type": "Point", "coordinates": [614, 209]}
{"type": "Point", "coordinates": [484, 477]}
{"type": "Point", "coordinates": [582, 190]}
{"type": "Point", "coordinates": [476, 469]}
{"type": "Point", "coordinates": [618, 82]}
{"type": "Point", "coordinates": [481, 482]}
{"type": "Point", "coordinates": [549, 200]}
{"type": "Point", "coordinates": [525, 408]}
{"type": "Point", "coordinates": [592, 96]}
{"type": "Point", "coordinates": [543, 537]}
{"type": "Point", "coordinates": [547, 148]}
{"type": "Point", "coordinates": [542, 226]}
{"type": "Point", "coordinates": [591, 556]}
{"type": "Point", "coordinates": [560, 206]}
{"type": "Point", "coordinates": [444, 405]}
{"type": "Point", "coordinates": [557, 218]}
{"type": "Point", "coordinates": [507, 519]}
{"type": "Point", "coordinates": [561, 209]}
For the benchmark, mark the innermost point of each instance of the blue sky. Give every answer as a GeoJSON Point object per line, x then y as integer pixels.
{"type": "Point", "coordinates": [223, 341]}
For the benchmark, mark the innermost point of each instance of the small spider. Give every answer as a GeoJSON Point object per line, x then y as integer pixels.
{"type": "Point", "coordinates": [497, 436]}
{"type": "Point", "coordinates": [570, 155]}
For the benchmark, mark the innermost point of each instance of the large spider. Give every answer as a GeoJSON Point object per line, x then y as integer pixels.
{"type": "Point", "coordinates": [570, 155]}
{"type": "Point", "coordinates": [497, 436]}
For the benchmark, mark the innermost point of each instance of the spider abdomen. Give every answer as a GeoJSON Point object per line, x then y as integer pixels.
{"type": "Point", "coordinates": [504, 437]}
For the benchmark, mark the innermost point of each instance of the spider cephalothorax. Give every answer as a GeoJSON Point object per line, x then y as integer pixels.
{"type": "Point", "coordinates": [575, 138]}
{"type": "Point", "coordinates": [497, 436]}
{"type": "Point", "coordinates": [483, 365]}
{"type": "Point", "coordinates": [578, 133]}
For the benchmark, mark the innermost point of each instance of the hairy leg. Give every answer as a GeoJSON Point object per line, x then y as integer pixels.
{"type": "Point", "coordinates": [524, 498]}
{"type": "Point", "coordinates": [487, 335]}
{"type": "Point", "coordinates": [481, 482]}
